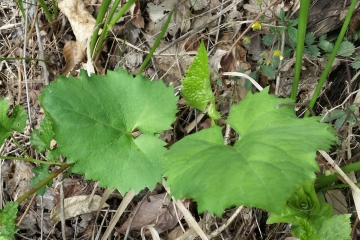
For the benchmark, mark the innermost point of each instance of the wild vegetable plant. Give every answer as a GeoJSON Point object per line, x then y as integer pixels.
{"type": "Point", "coordinates": [107, 127]}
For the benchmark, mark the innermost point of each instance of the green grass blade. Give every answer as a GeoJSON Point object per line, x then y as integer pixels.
{"type": "Point", "coordinates": [46, 10]}
{"type": "Point", "coordinates": [55, 9]}
{"type": "Point", "coordinates": [303, 18]}
{"type": "Point", "coordinates": [326, 71]}
{"type": "Point", "coordinates": [110, 22]}
{"type": "Point", "coordinates": [156, 44]}
{"type": "Point", "coordinates": [103, 9]}
{"type": "Point", "coordinates": [21, 6]}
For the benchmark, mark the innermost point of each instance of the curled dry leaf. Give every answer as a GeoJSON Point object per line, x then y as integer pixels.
{"type": "Point", "coordinates": [77, 205]}
{"type": "Point", "coordinates": [81, 21]}
{"type": "Point", "coordinates": [158, 210]}
{"type": "Point", "coordinates": [137, 20]}
{"type": "Point", "coordinates": [73, 54]}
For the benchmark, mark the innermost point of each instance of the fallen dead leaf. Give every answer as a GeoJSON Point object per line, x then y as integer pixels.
{"type": "Point", "coordinates": [77, 205]}
{"type": "Point", "coordinates": [81, 21]}
{"type": "Point", "coordinates": [74, 54]}
{"type": "Point", "coordinates": [137, 20]}
{"type": "Point", "coordinates": [158, 210]}
{"type": "Point", "coordinates": [199, 4]}
{"type": "Point", "coordinates": [179, 21]}
{"type": "Point", "coordinates": [17, 179]}
{"type": "Point", "coordinates": [337, 199]}
{"type": "Point", "coordinates": [175, 233]}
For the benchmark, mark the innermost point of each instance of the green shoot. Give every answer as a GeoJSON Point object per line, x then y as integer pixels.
{"type": "Point", "coordinates": [156, 44]}
{"type": "Point", "coordinates": [109, 23]}
{"type": "Point", "coordinates": [304, 12]}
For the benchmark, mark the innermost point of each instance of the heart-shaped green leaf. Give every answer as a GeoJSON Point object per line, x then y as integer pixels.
{"type": "Point", "coordinates": [274, 154]}
{"type": "Point", "coordinates": [94, 119]}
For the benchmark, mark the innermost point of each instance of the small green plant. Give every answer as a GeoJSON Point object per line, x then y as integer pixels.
{"type": "Point", "coordinates": [108, 127]}
{"type": "Point", "coordinates": [97, 41]}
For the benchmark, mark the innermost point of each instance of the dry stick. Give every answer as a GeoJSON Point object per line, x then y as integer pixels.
{"type": "Point", "coordinates": [19, 82]}
{"type": "Point", "coordinates": [354, 189]}
{"type": "Point", "coordinates": [134, 214]}
{"type": "Point", "coordinates": [278, 78]}
{"type": "Point", "coordinates": [124, 203]}
{"type": "Point", "coordinates": [238, 74]}
{"type": "Point", "coordinates": [187, 215]}
{"type": "Point", "coordinates": [177, 217]}
{"type": "Point", "coordinates": [101, 224]}
{"type": "Point", "coordinates": [104, 197]}
{"type": "Point", "coordinates": [26, 210]}
{"type": "Point", "coordinates": [194, 123]}
{"type": "Point", "coordinates": [248, 28]}
{"type": "Point", "coordinates": [24, 66]}
{"type": "Point", "coordinates": [190, 220]}
{"type": "Point", "coordinates": [41, 51]}
{"type": "Point", "coordinates": [228, 222]}
{"type": "Point", "coordinates": [62, 208]}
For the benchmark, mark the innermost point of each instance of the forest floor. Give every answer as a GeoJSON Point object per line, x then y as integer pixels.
{"type": "Point", "coordinates": [218, 24]}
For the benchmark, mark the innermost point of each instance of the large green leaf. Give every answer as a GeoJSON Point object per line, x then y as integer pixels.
{"type": "Point", "coordinates": [196, 84]}
{"type": "Point", "coordinates": [17, 120]}
{"type": "Point", "coordinates": [7, 221]}
{"type": "Point", "coordinates": [40, 139]}
{"type": "Point", "coordinates": [275, 153]}
{"type": "Point", "coordinates": [93, 121]}
{"type": "Point", "coordinates": [336, 228]}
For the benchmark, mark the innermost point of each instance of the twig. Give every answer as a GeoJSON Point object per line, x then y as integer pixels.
{"type": "Point", "coordinates": [134, 214]}
{"type": "Point", "coordinates": [124, 203]}
{"type": "Point", "coordinates": [62, 208]}
{"type": "Point", "coordinates": [24, 66]}
{"type": "Point", "coordinates": [194, 123]}
{"type": "Point", "coordinates": [238, 74]}
{"type": "Point", "coordinates": [41, 50]}
{"type": "Point", "coordinates": [190, 220]}
{"type": "Point", "coordinates": [228, 222]}
{"type": "Point", "coordinates": [26, 210]}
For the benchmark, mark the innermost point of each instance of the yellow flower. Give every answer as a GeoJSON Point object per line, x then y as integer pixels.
{"type": "Point", "coordinates": [256, 26]}
{"type": "Point", "coordinates": [246, 41]}
{"type": "Point", "coordinates": [277, 53]}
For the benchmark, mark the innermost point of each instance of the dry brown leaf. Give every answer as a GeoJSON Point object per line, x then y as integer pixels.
{"type": "Point", "coordinates": [17, 178]}
{"type": "Point", "coordinates": [158, 15]}
{"type": "Point", "coordinates": [73, 54]}
{"type": "Point", "coordinates": [175, 233]}
{"type": "Point", "coordinates": [77, 205]}
{"type": "Point", "coordinates": [199, 4]}
{"type": "Point", "coordinates": [137, 20]}
{"type": "Point", "coordinates": [158, 210]}
{"type": "Point", "coordinates": [337, 199]}
{"type": "Point", "coordinates": [354, 23]}
{"type": "Point", "coordinates": [81, 21]}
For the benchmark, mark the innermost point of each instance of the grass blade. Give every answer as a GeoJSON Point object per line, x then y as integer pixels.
{"type": "Point", "coordinates": [156, 44]}
{"type": "Point", "coordinates": [326, 71]}
{"type": "Point", "coordinates": [304, 13]}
